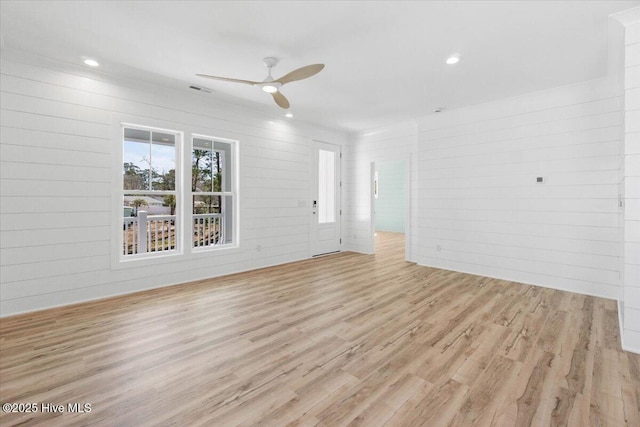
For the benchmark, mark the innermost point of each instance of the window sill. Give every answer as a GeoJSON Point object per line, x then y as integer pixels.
{"type": "Point", "coordinates": [202, 251]}
{"type": "Point", "coordinates": [147, 259]}
{"type": "Point", "coordinates": [174, 256]}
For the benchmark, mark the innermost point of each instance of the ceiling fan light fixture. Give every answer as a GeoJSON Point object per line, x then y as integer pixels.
{"type": "Point", "coordinates": [453, 59]}
{"type": "Point", "coordinates": [269, 88]}
{"type": "Point", "coordinates": [91, 62]}
{"type": "Point", "coordinates": [289, 115]}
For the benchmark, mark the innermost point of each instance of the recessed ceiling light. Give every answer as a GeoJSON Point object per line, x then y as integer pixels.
{"type": "Point", "coordinates": [453, 59]}
{"type": "Point", "coordinates": [91, 62]}
{"type": "Point", "coordinates": [288, 115]}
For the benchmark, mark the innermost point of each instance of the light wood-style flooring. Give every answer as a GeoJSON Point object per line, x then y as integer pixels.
{"type": "Point", "coordinates": [347, 339]}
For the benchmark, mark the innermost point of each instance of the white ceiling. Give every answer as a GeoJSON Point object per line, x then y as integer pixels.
{"type": "Point", "coordinates": [384, 59]}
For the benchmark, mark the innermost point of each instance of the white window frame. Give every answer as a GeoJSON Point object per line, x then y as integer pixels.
{"type": "Point", "coordinates": [148, 257]}
{"type": "Point", "coordinates": [184, 138]}
{"type": "Point", "coordinates": [232, 164]}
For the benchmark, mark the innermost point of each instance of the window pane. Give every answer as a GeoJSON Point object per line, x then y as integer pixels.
{"type": "Point", "coordinates": [148, 223]}
{"type": "Point", "coordinates": [227, 208]}
{"type": "Point", "coordinates": [135, 169]}
{"type": "Point", "coordinates": [209, 228]}
{"type": "Point", "coordinates": [208, 162]}
{"type": "Point", "coordinates": [137, 135]}
{"type": "Point", "coordinates": [202, 144]}
{"type": "Point", "coordinates": [163, 161]}
{"type": "Point", "coordinates": [217, 167]}
{"type": "Point", "coordinates": [326, 186]}
{"type": "Point", "coordinates": [167, 139]}
{"type": "Point", "coordinates": [212, 221]}
{"type": "Point", "coordinates": [207, 204]}
{"type": "Point", "coordinates": [149, 160]}
{"type": "Point", "coordinates": [222, 166]}
{"type": "Point", "coordinates": [201, 166]}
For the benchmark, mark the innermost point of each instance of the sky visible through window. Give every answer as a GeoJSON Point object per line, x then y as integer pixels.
{"type": "Point", "coordinates": [163, 157]}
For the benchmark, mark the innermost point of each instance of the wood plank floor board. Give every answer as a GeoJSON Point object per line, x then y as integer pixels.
{"type": "Point", "coordinates": [435, 406]}
{"type": "Point", "coordinates": [347, 339]}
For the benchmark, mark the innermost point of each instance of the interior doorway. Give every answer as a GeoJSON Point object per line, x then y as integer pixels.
{"type": "Point", "coordinates": [390, 203]}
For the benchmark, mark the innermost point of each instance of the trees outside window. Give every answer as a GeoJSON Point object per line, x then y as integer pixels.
{"type": "Point", "coordinates": [154, 197]}
{"type": "Point", "coordinates": [212, 192]}
{"type": "Point", "coordinates": [149, 185]}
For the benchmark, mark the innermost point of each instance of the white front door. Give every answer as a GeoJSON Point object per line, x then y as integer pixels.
{"type": "Point", "coordinates": [325, 198]}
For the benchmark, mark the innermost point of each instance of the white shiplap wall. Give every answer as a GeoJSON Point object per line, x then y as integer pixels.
{"type": "Point", "coordinates": [391, 143]}
{"type": "Point", "coordinates": [481, 211]}
{"type": "Point", "coordinates": [631, 323]}
{"type": "Point", "coordinates": [57, 142]}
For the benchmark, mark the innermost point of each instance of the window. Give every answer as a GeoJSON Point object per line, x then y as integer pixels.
{"type": "Point", "coordinates": [166, 207]}
{"type": "Point", "coordinates": [150, 191]}
{"type": "Point", "coordinates": [326, 186]}
{"type": "Point", "coordinates": [213, 192]}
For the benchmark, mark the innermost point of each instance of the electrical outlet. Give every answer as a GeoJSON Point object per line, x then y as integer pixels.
{"type": "Point", "coordinates": [438, 248]}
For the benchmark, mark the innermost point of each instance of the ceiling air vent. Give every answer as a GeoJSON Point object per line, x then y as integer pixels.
{"type": "Point", "coordinates": [201, 89]}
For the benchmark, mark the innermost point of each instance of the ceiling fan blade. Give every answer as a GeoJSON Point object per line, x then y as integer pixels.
{"type": "Point", "coordinates": [280, 100]}
{"type": "Point", "coordinates": [301, 73]}
{"type": "Point", "coordinates": [226, 79]}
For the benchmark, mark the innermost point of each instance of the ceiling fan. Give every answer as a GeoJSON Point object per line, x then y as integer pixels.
{"type": "Point", "coordinates": [271, 85]}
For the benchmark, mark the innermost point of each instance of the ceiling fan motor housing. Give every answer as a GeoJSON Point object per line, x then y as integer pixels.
{"type": "Point", "coordinates": [270, 61]}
